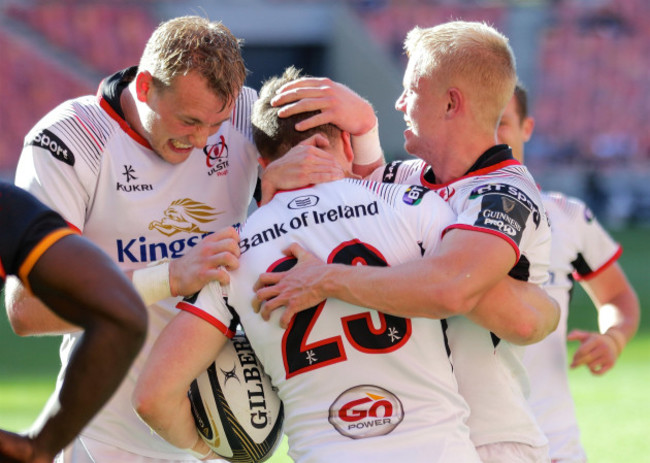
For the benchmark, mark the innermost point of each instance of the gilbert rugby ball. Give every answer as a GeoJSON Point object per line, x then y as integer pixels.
{"type": "Point", "coordinates": [236, 409]}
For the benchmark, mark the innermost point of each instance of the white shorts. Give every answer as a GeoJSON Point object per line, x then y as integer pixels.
{"type": "Point", "coordinates": [513, 452]}
{"type": "Point", "coordinates": [86, 450]}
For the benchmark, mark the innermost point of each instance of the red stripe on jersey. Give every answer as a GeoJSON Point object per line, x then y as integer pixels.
{"type": "Point", "coordinates": [600, 270]}
{"type": "Point", "coordinates": [187, 307]}
{"type": "Point", "coordinates": [123, 124]}
{"type": "Point", "coordinates": [474, 173]}
{"type": "Point", "coordinates": [486, 230]}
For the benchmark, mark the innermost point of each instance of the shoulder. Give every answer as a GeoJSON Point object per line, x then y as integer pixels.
{"type": "Point", "coordinates": [26, 224]}
{"type": "Point", "coordinates": [400, 195]}
{"type": "Point", "coordinates": [398, 171]}
{"type": "Point", "coordinates": [241, 116]}
{"type": "Point", "coordinates": [75, 126]}
{"type": "Point", "coordinates": [558, 203]}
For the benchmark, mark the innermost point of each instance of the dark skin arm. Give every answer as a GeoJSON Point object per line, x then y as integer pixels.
{"type": "Point", "coordinates": [79, 283]}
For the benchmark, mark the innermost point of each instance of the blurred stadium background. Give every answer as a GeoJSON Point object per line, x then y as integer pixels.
{"type": "Point", "coordinates": [586, 64]}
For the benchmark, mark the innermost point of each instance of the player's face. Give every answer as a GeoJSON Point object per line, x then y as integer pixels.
{"type": "Point", "coordinates": [421, 102]}
{"type": "Point", "coordinates": [513, 131]}
{"type": "Point", "coordinates": [182, 117]}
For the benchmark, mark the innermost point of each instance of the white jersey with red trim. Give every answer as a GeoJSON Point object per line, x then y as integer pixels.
{"type": "Point", "coordinates": [580, 249]}
{"type": "Point", "coordinates": [357, 385]}
{"type": "Point", "coordinates": [84, 161]}
{"type": "Point", "coordinates": [497, 196]}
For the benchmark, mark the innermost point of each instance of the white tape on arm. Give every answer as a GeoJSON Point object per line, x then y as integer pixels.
{"type": "Point", "coordinates": [367, 147]}
{"type": "Point", "coordinates": [152, 282]}
{"type": "Point", "coordinates": [197, 454]}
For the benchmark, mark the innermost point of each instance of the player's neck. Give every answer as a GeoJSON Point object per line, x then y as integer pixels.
{"type": "Point", "coordinates": [130, 110]}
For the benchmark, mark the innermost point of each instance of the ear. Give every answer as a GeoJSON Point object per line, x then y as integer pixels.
{"type": "Point", "coordinates": [455, 102]}
{"type": "Point", "coordinates": [143, 84]}
{"type": "Point", "coordinates": [527, 128]}
{"type": "Point", "coordinates": [347, 146]}
{"type": "Point", "coordinates": [262, 162]}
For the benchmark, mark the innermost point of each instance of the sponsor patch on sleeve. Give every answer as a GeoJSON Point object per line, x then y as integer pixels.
{"type": "Point", "coordinates": [414, 194]}
{"type": "Point", "coordinates": [505, 209]}
{"type": "Point", "coordinates": [48, 141]}
{"type": "Point", "coordinates": [390, 171]}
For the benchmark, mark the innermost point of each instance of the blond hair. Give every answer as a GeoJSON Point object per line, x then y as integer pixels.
{"type": "Point", "coordinates": [471, 55]}
{"type": "Point", "coordinates": [195, 44]}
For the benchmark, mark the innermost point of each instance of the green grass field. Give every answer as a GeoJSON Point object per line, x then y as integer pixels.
{"type": "Point", "coordinates": [613, 410]}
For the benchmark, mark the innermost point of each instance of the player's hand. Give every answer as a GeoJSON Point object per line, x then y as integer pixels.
{"type": "Point", "coordinates": [338, 105]}
{"type": "Point", "coordinates": [597, 351]}
{"type": "Point", "coordinates": [295, 290]}
{"type": "Point", "coordinates": [18, 448]}
{"type": "Point", "coordinates": [209, 260]}
{"type": "Point", "coordinates": [305, 164]}
{"type": "Point", "coordinates": [14, 447]}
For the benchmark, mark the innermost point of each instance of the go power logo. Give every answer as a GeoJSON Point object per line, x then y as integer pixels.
{"type": "Point", "coordinates": [366, 411]}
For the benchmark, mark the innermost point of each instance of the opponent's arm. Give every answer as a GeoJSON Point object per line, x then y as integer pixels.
{"type": "Point", "coordinates": [618, 320]}
{"type": "Point", "coordinates": [28, 316]}
{"type": "Point", "coordinates": [103, 303]}
{"type": "Point", "coordinates": [184, 349]}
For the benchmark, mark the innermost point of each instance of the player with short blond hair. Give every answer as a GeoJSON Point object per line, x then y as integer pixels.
{"type": "Point", "coordinates": [458, 79]}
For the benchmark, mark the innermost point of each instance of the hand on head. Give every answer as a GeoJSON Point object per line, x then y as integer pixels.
{"type": "Point", "coordinates": [338, 105]}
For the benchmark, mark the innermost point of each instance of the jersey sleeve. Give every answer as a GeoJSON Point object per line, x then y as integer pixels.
{"type": "Point", "coordinates": [60, 161]}
{"type": "Point", "coordinates": [399, 172]}
{"type": "Point", "coordinates": [28, 229]}
{"type": "Point", "coordinates": [430, 225]}
{"type": "Point", "coordinates": [597, 249]}
{"type": "Point", "coordinates": [211, 305]}
{"type": "Point", "coordinates": [502, 209]}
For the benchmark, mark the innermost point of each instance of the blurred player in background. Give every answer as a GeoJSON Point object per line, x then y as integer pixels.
{"type": "Point", "coordinates": [582, 250]}
{"type": "Point", "coordinates": [329, 356]}
{"type": "Point", "coordinates": [84, 286]}
{"type": "Point", "coordinates": [149, 169]}
{"type": "Point", "coordinates": [459, 77]}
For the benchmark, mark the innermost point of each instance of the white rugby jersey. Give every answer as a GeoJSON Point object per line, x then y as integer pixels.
{"type": "Point", "coordinates": [84, 161]}
{"type": "Point", "coordinates": [497, 196]}
{"type": "Point", "coordinates": [580, 249]}
{"type": "Point", "coordinates": [357, 385]}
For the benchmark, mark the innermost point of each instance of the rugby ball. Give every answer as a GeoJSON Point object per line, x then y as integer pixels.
{"type": "Point", "coordinates": [236, 409]}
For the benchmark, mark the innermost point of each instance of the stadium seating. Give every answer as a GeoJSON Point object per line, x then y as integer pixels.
{"type": "Point", "coordinates": [591, 99]}
{"type": "Point", "coordinates": [104, 36]}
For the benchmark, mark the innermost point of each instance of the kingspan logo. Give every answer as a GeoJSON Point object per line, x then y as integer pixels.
{"type": "Point", "coordinates": [366, 411]}
{"type": "Point", "coordinates": [182, 215]}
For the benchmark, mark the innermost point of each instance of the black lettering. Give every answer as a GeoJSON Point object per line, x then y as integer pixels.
{"type": "Point", "coordinates": [259, 420]}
